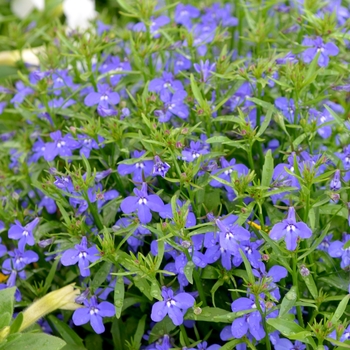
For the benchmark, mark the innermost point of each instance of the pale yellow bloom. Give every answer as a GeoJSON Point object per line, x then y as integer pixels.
{"type": "Point", "coordinates": [9, 58]}
{"type": "Point", "coordinates": [63, 298]}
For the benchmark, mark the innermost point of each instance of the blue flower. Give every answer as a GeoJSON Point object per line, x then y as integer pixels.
{"type": "Point", "coordinates": [335, 183]}
{"type": "Point", "coordinates": [174, 306]}
{"type": "Point", "coordinates": [93, 313]}
{"type": "Point", "coordinates": [143, 203]}
{"type": "Point", "coordinates": [250, 322]}
{"type": "Point", "coordinates": [23, 234]}
{"type": "Point", "coordinates": [82, 255]}
{"type": "Point", "coordinates": [291, 230]}
{"type": "Point", "coordinates": [325, 50]}
{"type": "Point", "coordinates": [337, 250]}
{"type": "Point", "coordinates": [160, 167]}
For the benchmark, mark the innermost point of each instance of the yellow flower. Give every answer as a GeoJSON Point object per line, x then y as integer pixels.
{"type": "Point", "coordinates": [63, 298]}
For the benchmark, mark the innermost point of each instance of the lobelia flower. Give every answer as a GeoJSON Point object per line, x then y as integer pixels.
{"type": "Point", "coordinates": [325, 50]}
{"type": "Point", "coordinates": [289, 57]}
{"type": "Point", "coordinates": [335, 184]}
{"type": "Point", "coordinates": [193, 152]}
{"type": "Point", "coordinates": [82, 255]}
{"type": "Point", "coordinates": [23, 234]}
{"type": "Point", "coordinates": [286, 344]}
{"type": "Point", "coordinates": [102, 28]}
{"type": "Point", "coordinates": [275, 274]}
{"type": "Point", "coordinates": [173, 106]}
{"type": "Point", "coordinates": [165, 86]}
{"type": "Point", "coordinates": [325, 131]}
{"type": "Point", "coordinates": [203, 33]}
{"type": "Point", "coordinates": [184, 15]}
{"type": "Point", "coordinates": [17, 262]}
{"type": "Point", "coordinates": [87, 144]}
{"type": "Point", "coordinates": [48, 203]}
{"type": "Point", "coordinates": [287, 107]}
{"type": "Point", "coordinates": [143, 203]}
{"type": "Point", "coordinates": [22, 92]}
{"type": "Point", "coordinates": [114, 65]}
{"type": "Point", "coordinates": [105, 98]}
{"type": "Point", "coordinates": [251, 322]}
{"type": "Point", "coordinates": [231, 235]}
{"type": "Point", "coordinates": [2, 106]}
{"type": "Point", "coordinates": [156, 23]}
{"type": "Point", "coordinates": [137, 238]}
{"type": "Point", "coordinates": [250, 250]}
{"type": "Point", "coordinates": [93, 312]}
{"type": "Point", "coordinates": [181, 63]}
{"type": "Point", "coordinates": [174, 306]}
{"type": "Point", "coordinates": [160, 167]}
{"type": "Point", "coordinates": [337, 250]}
{"type": "Point", "coordinates": [167, 213]}
{"type": "Point", "coordinates": [141, 167]}
{"type": "Point", "coordinates": [344, 337]}
{"type": "Point", "coordinates": [291, 230]}
{"type": "Point", "coordinates": [62, 146]}
{"type": "Point", "coordinates": [205, 69]}
{"type": "Point", "coordinates": [325, 243]}
{"type": "Point", "coordinates": [62, 80]}
{"type": "Point", "coordinates": [3, 249]}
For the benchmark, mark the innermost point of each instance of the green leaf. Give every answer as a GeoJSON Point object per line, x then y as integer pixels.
{"type": "Point", "coordinates": [94, 342]}
{"type": "Point", "coordinates": [196, 92]}
{"type": "Point", "coordinates": [209, 273]}
{"type": "Point", "coordinates": [140, 330]}
{"type": "Point", "coordinates": [341, 345]}
{"type": "Point", "coordinates": [247, 267]}
{"type": "Point", "coordinates": [16, 324]}
{"type": "Point", "coordinates": [288, 302]}
{"type": "Point", "coordinates": [231, 344]}
{"type": "Point", "coordinates": [6, 304]}
{"type": "Point", "coordinates": [340, 309]}
{"type": "Point", "coordinates": [165, 326]}
{"type": "Point", "coordinates": [65, 331]}
{"type": "Point", "coordinates": [155, 290]}
{"type": "Point", "coordinates": [267, 169]}
{"type": "Point", "coordinates": [286, 327]}
{"type": "Point", "coordinates": [311, 286]}
{"type": "Point", "coordinates": [119, 292]}
{"type": "Point", "coordinates": [217, 139]}
{"type": "Point", "coordinates": [5, 319]}
{"type": "Point", "coordinates": [31, 341]}
{"type": "Point", "coordinates": [304, 337]}
{"type": "Point", "coordinates": [338, 119]}
{"type": "Point", "coordinates": [101, 275]}
{"type": "Point", "coordinates": [50, 276]}
{"type": "Point", "coordinates": [143, 285]}
{"type": "Point", "coordinates": [334, 210]}
{"type": "Point", "coordinates": [316, 243]}
{"type": "Point", "coordinates": [211, 314]}
{"type": "Point", "coordinates": [266, 122]}
{"type": "Point", "coordinates": [188, 271]}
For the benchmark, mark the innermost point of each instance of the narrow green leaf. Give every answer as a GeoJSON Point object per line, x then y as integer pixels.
{"type": "Point", "coordinates": [65, 331]}
{"type": "Point", "coordinates": [155, 290]}
{"type": "Point", "coordinates": [31, 341]}
{"type": "Point", "coordinates": [288, 302]}
{"type": "Point", "coordinates": [267, 169]}
{"type": "Point", "coordinates": [16, 324]}
{"type": "Point", "coordinates": [101, 275]}
{"type": "Point", "coordinates": [247, 267]}
{"type": "Point", "coordinates": [188, 271]}
{"type": "Point", "coordinates": [140, 331]}
{"type": "Point", "coordinates": [6, 303]}
{"type": "Point", "coordinates": [50, 276]}
{"type": "Point", "coordinates": [311, 286]}
{"type": "Point", "coordinates": [196, 92]}
{"type": "Point", "coordinates": [340, 309]}
{"type": "Point", "coordinates": [119, 292]}
{"type": "Point", "coordinates": [266, 122]}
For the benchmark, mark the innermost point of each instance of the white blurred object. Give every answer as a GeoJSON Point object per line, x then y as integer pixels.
{"type": "Point", "coordinates": [22, 8]}
{"type": "Point", "coordinates": [79, 13]}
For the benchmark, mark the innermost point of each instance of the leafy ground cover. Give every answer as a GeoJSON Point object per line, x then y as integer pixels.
{"type": "Point", "coordinates": [175, 175]}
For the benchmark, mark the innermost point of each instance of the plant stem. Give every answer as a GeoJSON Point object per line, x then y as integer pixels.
{"type": "Point", "coordinates": [199, 286]}
{"type": "Point", "coordinates": [295, 284]}
{"type": "Point", "coordinates": [184, 334]}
